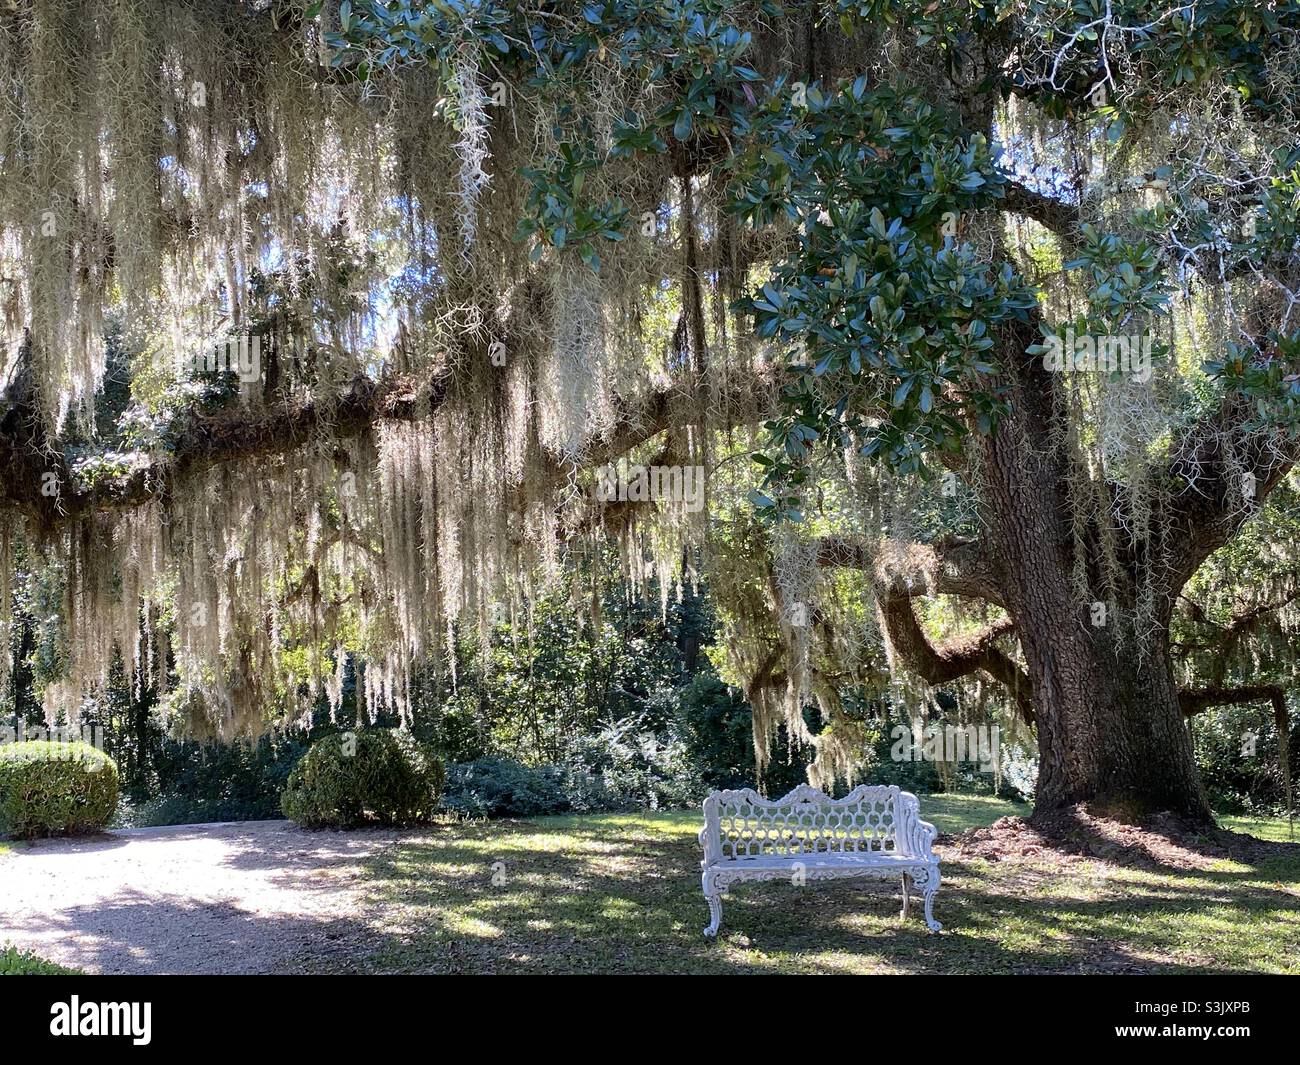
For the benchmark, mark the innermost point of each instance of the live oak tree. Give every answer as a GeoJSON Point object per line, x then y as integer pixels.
{"type": "Point", "coordinates": [482, 249]}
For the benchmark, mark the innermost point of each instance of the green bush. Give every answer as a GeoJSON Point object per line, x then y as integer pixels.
{"type": "Point", "coordinates": [623, 766]}
{"type": "Point", "coordinates": [379, 776]}
{"type": "Point", "coordinates": [50, 789]}
{"type": "Point", "coordinates": [501, 787]}
{"type": "Point", "coordinates": [627, 766]}
{"type": "Point", "coordinates": [200, 782]}
{"type": "Point", "coordinates": [1237, 755]}
{"type": "Point", "coordinates": [15, 962]}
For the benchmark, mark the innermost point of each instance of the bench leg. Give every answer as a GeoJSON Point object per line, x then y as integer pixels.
{"type": "Point", "coordinates": [907, 897]}
{"type": "Point", "coordinates": [931, 886]}
{"type": "Point", "coordinates": [715, 914]}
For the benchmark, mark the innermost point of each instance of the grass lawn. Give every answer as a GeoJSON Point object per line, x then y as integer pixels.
{"type": "Point", "coordinates": [1272, 828]}
{"type": "Point", "coordinates": [621, 893]}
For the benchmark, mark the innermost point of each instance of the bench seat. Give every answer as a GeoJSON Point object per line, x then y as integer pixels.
{"type": "Point", "coordinates": [819, 861]}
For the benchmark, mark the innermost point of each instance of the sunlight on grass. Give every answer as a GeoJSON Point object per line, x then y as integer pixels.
{"type": "Point", "coordinates": [954, 814]}
{"type": "Point", "coordinates": [1275, 828]}
{"type": "Point", "coordinates": [620, 893]}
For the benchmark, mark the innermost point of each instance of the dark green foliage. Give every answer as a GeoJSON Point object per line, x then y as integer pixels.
{"type": "Point", "coordinates": [716, 727]}
{"type": "Point", "coordinates": [201, 782]}
{"type": "Point", "coordinates": [686, 743]}
{"type": "Point", "coordinates": [627, 766]}
{"type": "Point", "coordinates": [378, 776]}
{"type": "Point", "coordinates": [619, 769]}
{"type": "Point", "coordinates": [624, 766]}
{"type": "Point", "coordinates": [53, 789]}
{"type": "Point", "coordinates": [1237, 754]}
{"type": "Point", "coordinates": [500, 787]}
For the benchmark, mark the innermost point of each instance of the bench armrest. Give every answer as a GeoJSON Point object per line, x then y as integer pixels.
{"type": "Point", "coordinates": [915, 836]}
{"type": "Point", "coordinates": [710, 841]}
{"type": "Point", "coordinates": [926, 833]}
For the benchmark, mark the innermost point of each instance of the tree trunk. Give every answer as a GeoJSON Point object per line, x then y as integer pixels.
{"type": "Point", "coordinates": [1110, 728]}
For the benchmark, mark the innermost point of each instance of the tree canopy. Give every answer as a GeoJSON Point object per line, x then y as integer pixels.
{"type": "Point", "coordinates": [326, 323]}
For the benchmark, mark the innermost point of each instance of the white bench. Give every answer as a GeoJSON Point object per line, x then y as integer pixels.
{"type": "Point", "coordinates": [807, 835]}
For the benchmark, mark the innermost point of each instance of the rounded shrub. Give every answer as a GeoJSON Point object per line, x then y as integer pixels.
{"type": "Point", "coordinates": [374, 776]}
{"type": "Point", "coordinates": [50, 789]}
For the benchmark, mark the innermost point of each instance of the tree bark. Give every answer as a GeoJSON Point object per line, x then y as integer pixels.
{"type": "Point", "coordinates": [1111, 731]}
{"type": "Point", "coordinates": [1110, 728]}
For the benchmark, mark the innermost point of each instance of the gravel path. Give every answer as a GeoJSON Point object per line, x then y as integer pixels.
{"type": "Point", "coordinates": [249, 897]}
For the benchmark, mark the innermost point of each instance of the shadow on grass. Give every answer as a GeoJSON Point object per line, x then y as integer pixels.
{"type": "Point", "coordinates": [1165, 843]}
{"type": "Point", "coordinates": [623, 895]}
{"type": "Point", "coordinates": [616, 894]}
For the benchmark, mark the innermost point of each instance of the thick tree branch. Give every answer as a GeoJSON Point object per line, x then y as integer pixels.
{"type": "Point", "coordinates": [239, 435]}
{"type": "Point", "coordinates": [1060, 217]}
{"type": "Point", "coordinates": [1222, 472]}
{"type": "Point", "coordinates": [953, 566]}
{"type": "Point", "coordinates": [956, 657]}
{"type": "Point", "coordinates": [1240, 623]}
{"type": "Point", "coordinates": [1196, 700]}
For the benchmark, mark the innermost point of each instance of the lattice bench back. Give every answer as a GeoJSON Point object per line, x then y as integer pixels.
{"type": "Point", "coordinates": [807, 822]}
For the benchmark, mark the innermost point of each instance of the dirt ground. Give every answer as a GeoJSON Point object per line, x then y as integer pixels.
{"type": "Point", "coordinates": [250, 897]}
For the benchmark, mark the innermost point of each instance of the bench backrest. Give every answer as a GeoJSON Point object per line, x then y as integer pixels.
{"type": "Point", "coordinates": [743, 824]}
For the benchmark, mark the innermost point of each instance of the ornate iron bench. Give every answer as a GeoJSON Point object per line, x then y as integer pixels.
{"type": "Point", "coordinates": [807, 835]}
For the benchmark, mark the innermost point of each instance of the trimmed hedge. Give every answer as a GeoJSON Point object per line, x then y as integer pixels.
{"type": "Point", "coordinates": [373, 776]}
{"type": "Point", "coordinates": [51, 789]}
